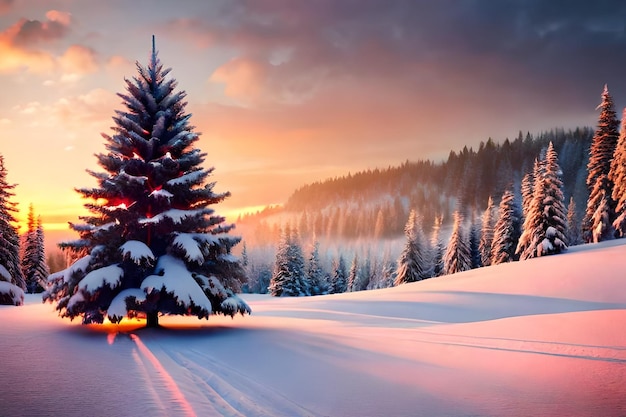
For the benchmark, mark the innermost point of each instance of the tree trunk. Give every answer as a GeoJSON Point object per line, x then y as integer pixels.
{"type": "Point", "coordinates": [152, 319]}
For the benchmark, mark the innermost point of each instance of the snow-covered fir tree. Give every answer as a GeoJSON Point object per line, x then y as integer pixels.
{"type": "Point", "coordinates": [388, 272]}
{"type": "Point", "coordinates": [315, 273]}
{"type": "Point", "coordinates": [34, 266]}
{"type": "Point", "coordinates": [544, 227]}
{"type": "Point", "coordinates": [573, 225]}
{"type": "Point", "coordinates": [597, 226]}
{"type": "Point", "coordinates": [353, 274]}
{"type": "Point", "coordinates": [530, 218]}
{"type": "Point", "coordinates": [289, 277]}
{"type": "Point", "coordinates": [153, 244]}
{"type": "Point", "coordinates": [413, 263]}
{"type": "Point", "coordinates": [366, 272]}
{"type": "Point", "coordinates": [474, 244]}
{"type": "Point", "coordinates": [339, 277]}
{"type": "Point", "coordinates": [527, 189]}
{"type": "Point", "coordinates": [486, 234]}
{"type": "Point", "coordinates": [12, 283]}
{"type": "Point", "coordinates": [506, 231]}
{"type": "Point", "coordinates": [437, 248]}
{"type": "Point", "coordinates": [457, 257]}
{"type": "Point", "coordinates": [617, 175]}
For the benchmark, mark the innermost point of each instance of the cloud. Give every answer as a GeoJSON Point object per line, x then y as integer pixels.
{"type": "Point", "coordinates": [243, 78]}
{"type": "Point", "coordinates": [531, 45]}
{"type": "Point", "coordinates": [29, 32]}
{"type": "Point", "coordinates": [94, 108]}
{"type": "Point", "coordinates": [18, 43]}
{"type": "Point", "coordinates": [5, 6]}
{"type": "Point", "coordinates": [77, 61]}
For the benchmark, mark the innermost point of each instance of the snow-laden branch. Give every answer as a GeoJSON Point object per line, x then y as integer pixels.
{"type": "Point", "coordinates": [137, 251]}
{"type": "Point", "coordinates": [176, 215]}
{"type": "Point", "coordinates": [189, 178]}
{"type": "Point", "coordinates": [177, 280]}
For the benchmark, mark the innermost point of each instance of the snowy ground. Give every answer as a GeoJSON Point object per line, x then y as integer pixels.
{"type": "Point", "coordinates": [545, 337]}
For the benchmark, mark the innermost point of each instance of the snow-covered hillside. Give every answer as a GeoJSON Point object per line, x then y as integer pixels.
{"type": "Point", "coordinates": [544, 337]}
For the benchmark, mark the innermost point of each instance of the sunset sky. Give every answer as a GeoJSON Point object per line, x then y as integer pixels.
{"type": "Point", "coordinates": [286, 92]}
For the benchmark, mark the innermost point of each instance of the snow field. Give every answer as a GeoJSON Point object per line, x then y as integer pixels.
{"type": "Point", "coordinates": [543, 337]}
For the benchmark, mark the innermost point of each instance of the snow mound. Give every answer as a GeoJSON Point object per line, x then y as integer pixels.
{"type": "Point", "coordinates": [117, 310]}
{"type": "Point", "coordinates": [173, 276]}
{"type": "Point", "coordinates": [108, 275]}
{"type": "Point", "coordinates": [11, 294]}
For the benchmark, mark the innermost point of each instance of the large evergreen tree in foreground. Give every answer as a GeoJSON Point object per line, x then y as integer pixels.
{"type": "Point", "coordinates": [12, 283]}
{"type": "Point", "coordinates": [152, 245]}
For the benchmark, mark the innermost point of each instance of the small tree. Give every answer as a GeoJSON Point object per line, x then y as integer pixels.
{"type": "Point", "coordinates": [315, 273]}
{"type": "Point", "coordinates": [573, 225]}
{"type": "Point", "coordinates": [338, 280]}
{"type": "Point", "coordinates": [437, 248]}
{"type": "Point", "coordinates": [34, 266]}
{"type": "Point", "coordinates": [457, 257]}
{"type": "Point", "coordinates": [486, 234]}
{"type": "Point", "coordinates": [506, 231]}
{"type": "Point", "coordinates": [413, 263]}
{"type": "Point", "coordinates": [353, 274]}
{"type": "Point", "coordinates": [288, 278]}
{"type": "Point", "coordinates": [153, 244]}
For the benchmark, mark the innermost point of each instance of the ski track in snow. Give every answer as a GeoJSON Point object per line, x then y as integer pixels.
{"type": "Point", "coordinates": [152, 369]}
{"type": "Point", "coordinates": [217, 389]}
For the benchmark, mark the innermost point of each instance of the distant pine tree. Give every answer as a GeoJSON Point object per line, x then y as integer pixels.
{"type": "Point", "coordinates": [573, 225]}
{"type": "Point", "coordinates": [437, 248]}
{"type": "Point", "coordinates": [413, 264]}
{"type": "Point", "coordinates": [486, 234]}
{"type": "Point", "coordinates": [457, 257]}
{"type": "Point", "coordinates": [597, 226]}
{"type": "Point", "coordinates": [289, 271]}
{"type": "Point", "coordinates": [544, 227]}
{"type": "Point", "coordinates": [506, 231]}
{"type": "Point", "coordinates": [315, 273]}
{"type": "Point", "coordinates": [617, 175]}
{"type": "Point", "coordinates": [353, 274]}
{"type": "Point", "coordinates": [34, 266]}
{"type": "Point", "coordinates": [474, 245]}
{"type": "Point", "coordinates": [339, 278]}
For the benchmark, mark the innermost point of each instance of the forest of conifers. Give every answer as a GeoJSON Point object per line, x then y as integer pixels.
{"type": "Point", "coordinates": [375, 203]}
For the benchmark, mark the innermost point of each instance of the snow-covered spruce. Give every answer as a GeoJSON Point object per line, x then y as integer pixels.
{"type": "Point", "coordinates": [617, 175]}
{"type": "Point", "coordinates": [12, 283]}
{"type": "Point", "coordinates": [545, 223]}
{"type": "Point", "coordinates": [597, 224]}
{"type": "Point", "coordinates": [33, 262]}
{"type": "Point", "coordinates": [413, 263]}
{"type": "Point", "coordinates": [152, 245]}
